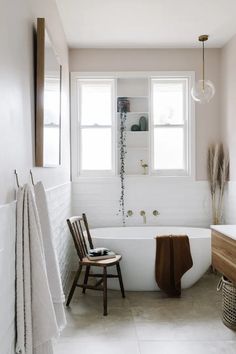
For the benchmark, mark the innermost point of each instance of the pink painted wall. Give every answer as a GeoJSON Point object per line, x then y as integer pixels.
{"type": "Point", "coordinates": [207, 116]}
{"type": "Point", "coordinates": [228, 108]}
{"type": "Point", "coordinates": [17, 27]}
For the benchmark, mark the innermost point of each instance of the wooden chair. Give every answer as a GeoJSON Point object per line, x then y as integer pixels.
{"type": "Point", "coordinates": [77, 226]}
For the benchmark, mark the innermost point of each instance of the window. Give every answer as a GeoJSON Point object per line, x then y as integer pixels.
{"type": "Point", "coordinates": [170, 131]}
{"type": "Point", "coordinates": [96, 126]}
{"type": "Point", "coordinates": [164, 98]}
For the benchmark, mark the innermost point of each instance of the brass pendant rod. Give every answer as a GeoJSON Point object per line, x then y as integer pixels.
{"type": "Point", "coordinates": [203, 38]}
{"type": "Point", "coordinates": [203, 66]}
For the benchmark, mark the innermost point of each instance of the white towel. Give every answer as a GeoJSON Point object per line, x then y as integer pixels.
{"type": "Point", "coordinates": [36, 324]}
{"type": "Point", "coordinates": [52, 264]}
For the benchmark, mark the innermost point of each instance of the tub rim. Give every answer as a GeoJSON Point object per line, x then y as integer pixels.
{"type": "Point", "coordinates": [147, 226]}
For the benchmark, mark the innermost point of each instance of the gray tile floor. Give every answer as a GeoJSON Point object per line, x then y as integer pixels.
{"type": "Point", "coordinates": [148, 322]}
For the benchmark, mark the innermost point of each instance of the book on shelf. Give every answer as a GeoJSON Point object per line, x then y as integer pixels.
{"type": "Point", "coordinates": [100, 253]}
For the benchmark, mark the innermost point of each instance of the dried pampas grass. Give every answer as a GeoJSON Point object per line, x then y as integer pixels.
{"type": "Point", "coordinates": [218, 175]}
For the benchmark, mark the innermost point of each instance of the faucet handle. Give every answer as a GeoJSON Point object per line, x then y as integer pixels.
{"type": "Point", "coordinates": [143, 214]}
{"type": "Point", "coordinates": [129, 213]}
{"type": "Point", "coordinates": [155, 212]}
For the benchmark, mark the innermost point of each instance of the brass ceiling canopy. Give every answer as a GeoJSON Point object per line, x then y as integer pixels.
{"type": "Point", "coordinates": [203, 38]}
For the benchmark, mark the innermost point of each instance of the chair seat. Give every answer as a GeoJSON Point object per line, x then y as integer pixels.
{"type": "Point", "coordinates": [77, 225]}
{"type": "Point", "coordinates": [102, 263]}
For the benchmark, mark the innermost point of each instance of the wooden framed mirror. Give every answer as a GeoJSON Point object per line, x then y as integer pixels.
{"type": "Point", "coordinates": [48, 101]}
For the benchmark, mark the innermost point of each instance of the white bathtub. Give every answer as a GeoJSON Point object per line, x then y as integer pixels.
{"type": "Point", "coordinates": [138, 249]}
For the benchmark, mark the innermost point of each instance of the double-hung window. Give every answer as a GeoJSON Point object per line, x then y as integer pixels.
{"type": "Point", "coordinates": [96, 126]}
{"type": "Point", "coordinates": [170, 126]}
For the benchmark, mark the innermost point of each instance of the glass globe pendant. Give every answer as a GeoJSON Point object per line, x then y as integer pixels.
{"type": "Point", "coordinates": [203, 90]}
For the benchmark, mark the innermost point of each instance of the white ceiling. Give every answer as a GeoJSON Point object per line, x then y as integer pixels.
{"type": "Point", "coordinates": [147, 23]}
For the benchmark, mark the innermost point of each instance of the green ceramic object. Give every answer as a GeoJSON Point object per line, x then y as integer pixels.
{"type": "Point", "coordinates": [143, 123]}
{"type": "Point", "coordinates": [135, 127]}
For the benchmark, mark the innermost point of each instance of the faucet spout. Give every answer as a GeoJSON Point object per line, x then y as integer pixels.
{"type": "Point", "coordinates": [143, 214]}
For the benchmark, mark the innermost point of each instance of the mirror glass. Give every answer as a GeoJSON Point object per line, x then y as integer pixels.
{"type": "Point", "coordinates": [48, 101]}
{"type": "Point", "coordinates": [52, 106]}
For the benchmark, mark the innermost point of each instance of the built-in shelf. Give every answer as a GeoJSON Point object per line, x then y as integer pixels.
{"type": "Point", "coordinates": [130, 113]}
{"type": "Point", "coordinates": [135, 175]}
{"type": "Point", "coordinates": [137, 142]}
{"type": "Point", "coordinates": [137, 138]}
{"type": "Point", "coordinates": [138, 132]}
{"type": "Point", "coordinates": [131, 97]}
{"type": "Point", "coordinates": [136, 147]}
{"type": "Point", "coordinates": [137, 103]}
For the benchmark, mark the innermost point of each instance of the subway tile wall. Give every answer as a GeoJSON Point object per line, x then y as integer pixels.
{"type": "Point", "coordinates": [59, 201]}
{"type": "Point", "coordinates": [179, 202]}
{"type": "Point", "coordinates": [230, 203]}
{"type": "Point", "coordinates": [60, 208]}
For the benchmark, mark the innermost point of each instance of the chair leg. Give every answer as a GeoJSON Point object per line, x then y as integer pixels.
{"type": "Point", "coordinates": [120, 280]}
{"type": "Point", "coordinates": [86, 278]}
{"type": "Point", "coordinates": [73, 286]}
{"type": "Point", "coordinates": [105, 291]}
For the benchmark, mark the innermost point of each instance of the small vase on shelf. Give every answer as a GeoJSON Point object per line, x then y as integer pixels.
{"type": "Point", "coordinates": [144, 166]}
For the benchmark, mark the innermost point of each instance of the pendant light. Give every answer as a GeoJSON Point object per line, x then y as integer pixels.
{"type": "Point", "coordinates": [203, 90]}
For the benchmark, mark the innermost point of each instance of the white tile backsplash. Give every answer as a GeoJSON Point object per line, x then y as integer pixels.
{"type": "Point", "coordinates": [180, 202]}
{"type": "Point", "coordinates": [59, 202]}
{"type": "Point", "coordinates": [230, 203]}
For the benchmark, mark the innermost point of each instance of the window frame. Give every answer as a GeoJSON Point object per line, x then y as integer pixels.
{"type": "Point", "coordinates": [77, 127]}
{"type": "Point", "coordinates": [76, 176]}
{"type": "Point", "coordinates": [188, 126]}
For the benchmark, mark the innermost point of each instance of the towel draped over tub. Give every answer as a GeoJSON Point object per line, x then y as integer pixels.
{"type": "Point", "coordinates": [173, 259]}
{"type": "Point", "coordinates": [36, 322]}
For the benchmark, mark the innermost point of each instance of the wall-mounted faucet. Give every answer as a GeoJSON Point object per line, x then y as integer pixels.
{"type": "Point", "coordinates": [129, 213]}
{"type": "Point", "coordinates": [155, 212]}
{"type": "Point", "coordinates": [143, 214]}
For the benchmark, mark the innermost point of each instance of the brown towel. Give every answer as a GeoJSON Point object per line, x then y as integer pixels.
{"type": "Point", "coordinates": [173, 259]}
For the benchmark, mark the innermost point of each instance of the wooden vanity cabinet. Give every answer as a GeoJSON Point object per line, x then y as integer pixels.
{"type": "Point", "coordinates": [224, 255]}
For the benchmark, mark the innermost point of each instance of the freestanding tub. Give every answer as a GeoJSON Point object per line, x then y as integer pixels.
{"type": "Point", "coordinates": [138, 249]}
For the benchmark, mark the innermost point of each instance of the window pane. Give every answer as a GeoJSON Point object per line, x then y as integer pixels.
{"type": "Point", "coordinates": [96, 103]}
{"type": "Point", "coordinates": [96, 149]}
{"type": "Point", "coordinates": [168, 102]}
{"type": "Point", "coordinates": [168, 148]}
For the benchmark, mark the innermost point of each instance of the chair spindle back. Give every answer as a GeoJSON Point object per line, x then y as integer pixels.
{"type": "Point", "coordinates": [87, 230]}
{"type": "Point", "coordinates": [76, 224]}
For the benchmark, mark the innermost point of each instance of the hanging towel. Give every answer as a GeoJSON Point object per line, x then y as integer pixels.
{"type": "Point", "coordinates": [52, 264]}
{"type": "Point", "coordinates": [173, 259]}
{"type": "Point", "coordinates": [36, 324]}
